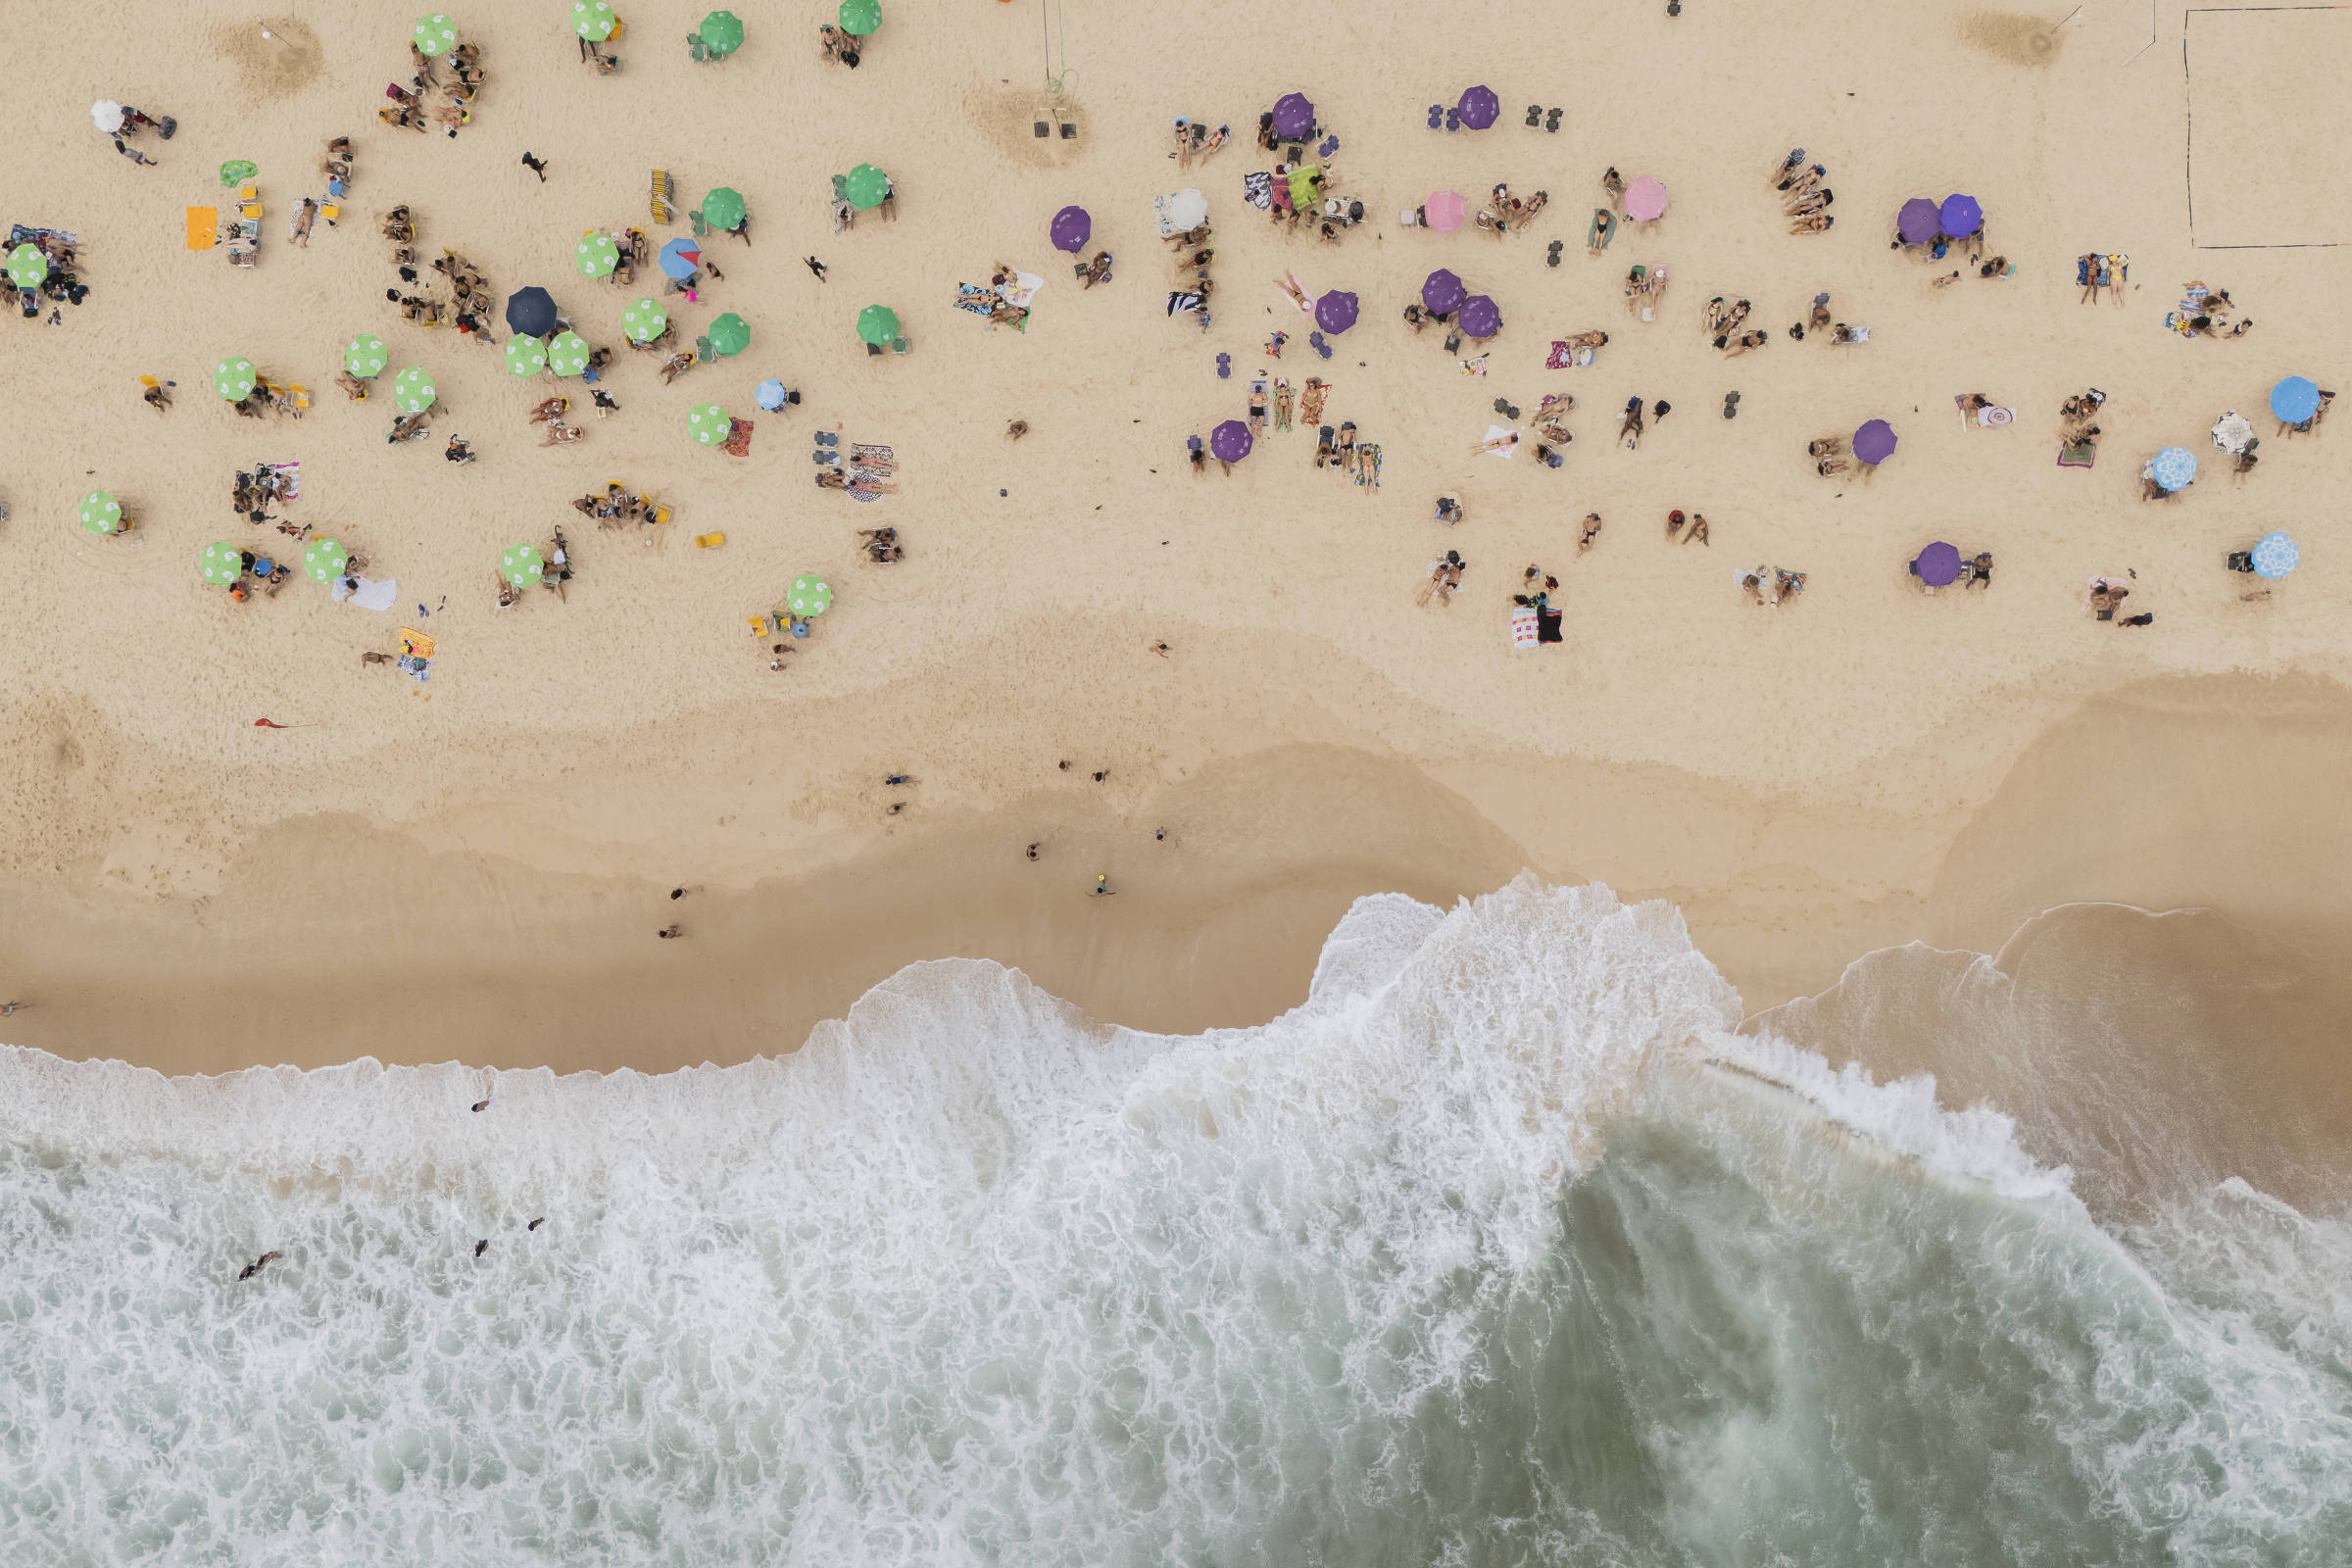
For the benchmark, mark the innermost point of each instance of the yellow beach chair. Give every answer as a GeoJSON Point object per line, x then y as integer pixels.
{"type": "Point", "coordinates": [663, 197]}
{"type": "Point", "coordinates": [709, 541]}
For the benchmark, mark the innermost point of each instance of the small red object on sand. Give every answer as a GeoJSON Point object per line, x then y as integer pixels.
{"type": "Point", "coordinates": [264, 723]}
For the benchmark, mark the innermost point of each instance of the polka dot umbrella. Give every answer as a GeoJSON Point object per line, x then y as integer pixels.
{"type": "Point", "coordinates": [567, 353]}
{"type": "Point", "coordinates": [809, 597]}
{"type": "Point", "coordinates": [101, 512]}
{"type": "Point", "coordinates": [411, 391]}
{"type": "Point", "coordinates": [27, 267]}
{"type": "Point", "coordinates": [709, 422]}
{"type": "Point", "coordinates": [721, 32]}
{"type": "Point", "coordinates": [324, 560]}
{"type": "Point", "coordinates": [860, 17]}
{"type": "Point", "coordinates": [434, 34]}
{"type": "Point", "coordinates": [593, 20]}
{"type": "Point", "coordinates": [644, 322]}
{"type": "Point", "coordinates": [525, 355]}
{"type": "Point", "coordinates": [365, 356]}
{"type": "Point", "coordinates": [233, 379]}
{"type": "Point", "coordinates": [221, 565]}
{"type": "Point", "coordinates": [596, 255]}
{"type": "Point", "coordinates": [877, 325]}
{"type": "Point", "coordinates": [521, 564]}
{"type": "Point", "coordinates": [864, 186]}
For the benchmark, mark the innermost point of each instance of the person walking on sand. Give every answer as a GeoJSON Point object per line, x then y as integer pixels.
{"type": "Point", "coordinates": [670, 933]}
{"type": "Point", "coordinates": [817, 266]}
{"type": "Point", "coordinates": [537, 165]}
{"type": "Point", "coordinates": [1102, 888]}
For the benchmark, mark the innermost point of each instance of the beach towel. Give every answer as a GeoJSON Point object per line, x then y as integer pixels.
{"type": "Point", "coordinates": [289, 479]}
{"type": "Point", "coordinates": [881, 459]}
{"type": "Point", "coordinates": [975, 299]}
{"type": "Point", "coordinates": [1562, 358]}
{"type": "Point", "coordinates": [371, 595]}
{"type": "Point", "coordinates": [1257, 188]}
{"type": "Point", "coordinates": [1367, 465]}
{"type": "Point", "coordinates": [1495, 432]}
{"type": "Point", "coordinates": [1525, 629]}
{"type": "Point", "coordinates": [1024, 289]}
{"type": "Point", "coordinates": [2078, 455]}
{"type": "Point", "coordinates": [1548, 625]}
{"type": "Point", "coordinates": [204, 224]}
{"type": "Point", "coordinates": [1994, 417]}
{"type": "Point", "coordinates": [1181, 303]}
{"type": "Point", "coordinates": [1477, 367]}
{"type": "Point", "coordinates": [1311, 403]}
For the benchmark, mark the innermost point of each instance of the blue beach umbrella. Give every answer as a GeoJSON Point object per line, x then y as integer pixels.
{"type": "Point", "coordinates": [2274, 556]}
{"type": "Point", "coordinates": [2295, 399]}
{"type": "Point", "coordinates": [680, 258]}
{"type": "Point", "coordinates": [2174, 468]}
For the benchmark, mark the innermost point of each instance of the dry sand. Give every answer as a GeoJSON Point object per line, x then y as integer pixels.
{"type": "Point", "coordinates": [481, 875]}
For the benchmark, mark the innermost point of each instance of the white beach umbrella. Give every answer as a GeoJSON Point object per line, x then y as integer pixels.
{"type": "Point", "coordinates": [2231, 431]}
{"type": "Point", "coordinates": [107, 116]}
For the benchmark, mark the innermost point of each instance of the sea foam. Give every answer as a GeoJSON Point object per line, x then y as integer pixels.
{"type": "Point", "coordinates": [1504, 1248]}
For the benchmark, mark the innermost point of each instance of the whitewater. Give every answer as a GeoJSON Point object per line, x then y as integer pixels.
{"type": "Point", "coordinates": [1509, 1246]}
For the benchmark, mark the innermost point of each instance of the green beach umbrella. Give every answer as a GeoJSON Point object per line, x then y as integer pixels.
{"type": "Point", "coordinates": [235, 170]}
{"type": "Point", "coordinates": [809, 597]}
{"type": "Point", "coordinates": [722, 32]}
{"type": "Point", "coordinates": [434, 34]}
{"type": "Point", "coordinates": [567, 353]}
{"type": "Point", "coordinates": [411, 391]}
{"type": "Point", "coordinates": [860, 17]}
{"type": "Point", "coordinates": [220, 564]}
{"type": "Point", "coordinates": [101, 512]}
{"type": "Point", "coordinates": [520, 564]}
{"type": "Point", "coordinates": [877, 325]}
{"type": "Point", "coordinates": [233, 379]}
{"type": "Point", "coordinates": [525, 355]}
{"type": "Point", "coordinates": [365, 356]}
{"type": "Point", "coordinates": [709, 422]}
{"type": "Point", "coordinates": [864, 186]}
{"type": "Point", "coordinates": [644, 322]}
{"type": "Point", "coordinates": [324, 560]}
{"type": "Point", "coordinates": [27, 267]}
{"type": "Point", "coordinates": [592, 19]}
{"type": "Point", "coordinates": [730, 335]}
{"type": "Point", "coordinates": [722, 208]}
{"type": "Point", "coordinates": [596, 255]}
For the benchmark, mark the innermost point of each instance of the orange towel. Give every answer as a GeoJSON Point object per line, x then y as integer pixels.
{"type": "Point", "coordinates": [204, 228]}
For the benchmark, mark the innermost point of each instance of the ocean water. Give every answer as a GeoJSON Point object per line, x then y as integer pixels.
{"type": "Point", "coordinates": [1509, 1247]}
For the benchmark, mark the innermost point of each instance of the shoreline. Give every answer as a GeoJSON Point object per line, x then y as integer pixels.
{"type": "Point", "coordinates": [333, 937]}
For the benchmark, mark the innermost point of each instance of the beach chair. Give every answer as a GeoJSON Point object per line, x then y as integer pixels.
{"type": "Point", "coordinates": [663, 197]}
{"type": "Point", "coordinates": [709, 541]}
{"type": "Point", "coordinates": [330, 211]}
{"type": "Point", "coordinates": [204, 228]}
{"type": "Point", "coordinates": [897, 345]}
{"type": "Point", "coordinates": [703, 352]}
{"type": "Point", "coordinates": [695, 48]}
{"type": "Point", "coordinates": [656, 512]}
{"type": "Point", "coordinates": [702, 230]}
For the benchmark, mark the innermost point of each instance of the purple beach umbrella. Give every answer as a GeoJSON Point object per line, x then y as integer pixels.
{"type": "Point", "coordinates": [1960, 217]}
{"type": "Point", "coordinates": [1938, 564]}
{"type": "Point", "coordinates": [1443, 292]}
{"type": "Point", "coordinates": [1072, 229]}
{"type": "Point", "coordinates": [1479, 107]}
{"type": "Point", "coordinates": [1293, 116]}
{"type": "Point", "coordinates": [1481, 316]}
{"type": "Point", "coordinates": [1874, 443]}
{"type": "Point", "coordinates": [1335, 311]}
{"type": "Point", "coordinates": [1230, 442]}
{"type": "Point", "coordinates": [1918, 221]}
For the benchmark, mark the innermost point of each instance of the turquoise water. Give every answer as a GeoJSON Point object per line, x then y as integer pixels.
{"type": "Point", "coordinates": [1505, 1249]}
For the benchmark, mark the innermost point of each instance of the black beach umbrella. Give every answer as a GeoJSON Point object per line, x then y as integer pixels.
{"type": "Point", "coordinates": [531, 311]}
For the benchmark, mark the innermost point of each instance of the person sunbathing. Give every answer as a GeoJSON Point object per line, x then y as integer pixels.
{"type": "Point", "coordinates": [1818, 223]}
{"type": "Point", "coordinates": [407, 427]}
{"type": "Point", "coordinates": [675, 365]}
{"type": "Point", "coordinates": [548, 410]}
{"type": "Point", "coordinates": [1827, 446]}
{"type": "Point", "coordinates": [559, 434]}
{"type": "Point", "coordinates": [1750, 340]}
{"type": "Point", "coordinates": [1584, 541]}
{"type": "Point", "coordinates": [156, 397]}
{"type": "Point", "coordinates": [396, 225]}
{"type": "Point", "coordinates": [1697, 531]}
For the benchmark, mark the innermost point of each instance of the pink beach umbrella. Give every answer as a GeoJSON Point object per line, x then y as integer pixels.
{"type": "Point", "coordinates": [1443, 210]}
{"type": "Point", "coordinates": [1646, 199]}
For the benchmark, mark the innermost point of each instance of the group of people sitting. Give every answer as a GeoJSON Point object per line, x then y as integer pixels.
{"type": "Point", "coordinates": [1194, 254]}
{"type": "Point", "coordinates": [1194, 139]}
{"type": "Point", "coordinates": [1804, 200]}
{"type": "Point", "coordinates": [408, 109]}
{"type": "Point", "coordinates": [63, 285]}
{"type": "Point", "coordinates": [614, 506]}
{"type": "Point", "coordinates": [1507, 212]}
{"type": "Point", "coordinates": [2202, 313]}
{"type": "Point", "coordinates": [881, 545]}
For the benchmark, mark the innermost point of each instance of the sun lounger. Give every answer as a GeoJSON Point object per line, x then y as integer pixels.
{"type": "Point", "coordinates": [702, 229]}
{"type": "Point", "coordinates": [662, 197]}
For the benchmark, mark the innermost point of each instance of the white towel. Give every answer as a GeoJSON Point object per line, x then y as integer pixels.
{"type": "Point", "coordinates": [371, 595]}
{"type": "Point", "coordinates": [1495, 432]}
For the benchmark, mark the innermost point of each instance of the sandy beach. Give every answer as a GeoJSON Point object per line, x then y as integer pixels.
{"type": "Point", "coordinates": [480, 876]}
